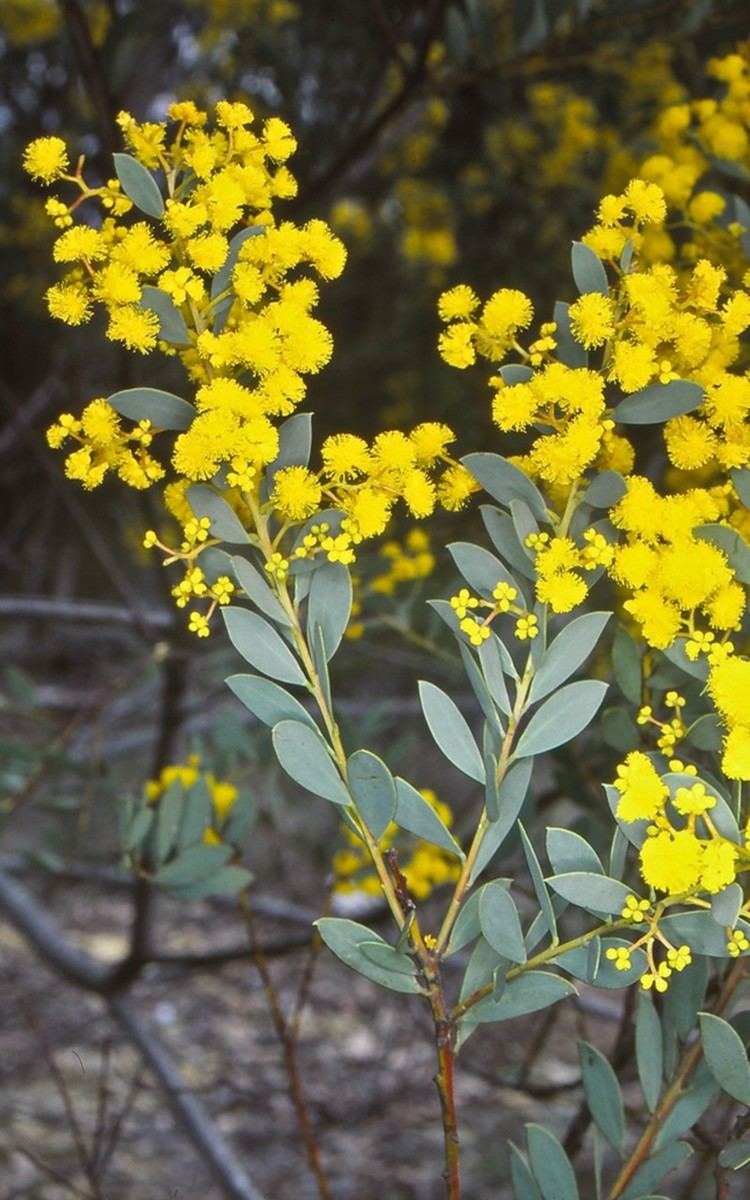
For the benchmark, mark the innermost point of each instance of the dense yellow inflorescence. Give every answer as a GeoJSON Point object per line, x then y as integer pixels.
{"type": "Point", "coordinates": [239, 288]}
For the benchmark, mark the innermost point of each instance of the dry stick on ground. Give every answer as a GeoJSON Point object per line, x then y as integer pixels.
{"type": "Point", "coordinates": [31, 919]}
{"type": "Point", "coordinates": [286, 1034]}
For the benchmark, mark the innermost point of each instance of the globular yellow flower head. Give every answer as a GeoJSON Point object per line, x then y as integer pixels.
{"type": "Point", "coordinates": [46, 159]}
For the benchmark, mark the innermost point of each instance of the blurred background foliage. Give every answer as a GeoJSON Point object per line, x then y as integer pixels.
{"type": "Point", "coordinates": [445, 141]}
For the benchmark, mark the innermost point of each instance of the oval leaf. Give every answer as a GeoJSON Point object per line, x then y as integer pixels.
{"type": "Point", "coordinates": [481, 570]}
{"type": "Point", "coordinates": [295, 447]}
{"type": "Point", "coordinates": [649, 1050]}
{"type": "Point", "coordinates": [261, 646]}
{"type": "Point", "coordinates": [651, 1173]}
{"type": "Point", "coordinates": [699, 931]}
{"type": "Point", "coordinates": [162, 409]}
{"type": "Point", "coordinates": [510, 797]}
{"type": "Point", "coordinates": [346, 938]}
{"type": "Point", "coordinates": [547, 912]}
{"type": "Point", "coordinates": [725, 1054]}
{"type": "Point", "coordinates": [595, 893]}
{"type": "Point", "coordinates": [388, 957]}
{"type": "Point", "coordinates": [138, 185]}
{"type": "Point", "coordinates": [258, 590]}
{"type": "Point", "coordinates": [304, 756]}
{"type": "Point", "coordinates": [605, 490]}
{"type": "Point", "coordinates": [527, 993]}
{"type": "Point", "coordinates": [588, 270]}
{"type": "Point", "coordinates": [267, 701]}
{"type": "Point", "coordinates": [193, 865]}
{"type": "Point", "coordinates": [505, 482]}
{"type": "Point", "coordinates": [561, 717]}
{"type": "Point", "coordinates": [659, 402]}
{"type": "Point", "coordinates": [568, 851]}
{"type": "Point", "coordinates": [603, 1095]}
{"type": "Point", "coordinates": [329, 605]}
{"type": "Point", "coordinates": [374, 790]}
{"type": "Point", "coordinates": [524, 1184]}
{"type": "Point", "coordinates": [569, 351]}
{"type": "Point", "coordinates": [225, 524]}
{"type": "Point", "coordinates": [172, 327]}
{"type": "Point", "coordinates": [450, 731]}
{"type": "Point", "coordinates": [416, 816]}
{"type": "Point", "coordinates": [570, 648]}
{"type": "Point", "coordinates": [227, 881]}
{"type": "Point", "coordinates": [551, 1165]}
{"type": "Point", "coordinates": [500, 924]}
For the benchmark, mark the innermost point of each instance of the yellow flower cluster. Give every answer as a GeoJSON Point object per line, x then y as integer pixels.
{"type": "Point", "coordinates": [567, 401]}
{"type": "Point", "coordinates": [194, 585]}
{"type": "Point", "coordinates": [258, 323]}
{"type": "Point", "coordinates": [558, 561]}
{"type": "Point", "coordinates": [676, 858]}
{"type": "Point", "coordinates": [491, 334]}
{"type": "Point", "coordinates": [673, 575]}
{"type": "Point", "coordinates": [729, 689]}
{"type": "Point", "coordinates": [408, 562]}
{"type": "Point", "coordinates": [688, 135]}
{"type": "Point", "coordinates": [365, 481]}
{"type": "Point", "coordinates": [504, 595]}
{"type": "Point", "coordinates": [104, 446]}
{"type": "Point", "coordinates": [670, 732]}
{"type": "Point", "coordinates": [223, 794]}
{"type": "Point", "coordinates": [426, 868]}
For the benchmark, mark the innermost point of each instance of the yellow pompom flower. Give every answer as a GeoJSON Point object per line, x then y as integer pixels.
{"type": "Point", "coordinates": [642, 792]}
{"type": "Point", "coordinates": [718, 868]}
{"type": "Point", "coordinates": [345, 456]}
{"type": "Point", "coordinates": [671, 861]}
{"type": "Point", "coordinates": [562, 590]}
{"type": "Point", "coordinates": [136, 328]}
{"type": "Point", "coordinates": [430, 440]}
{"type": "Point", "coordinates": [46, 159]}
{"type": "Point", "coordinates": [690, 443]}
{"type": "Point", "coordinates": [296, 493]}
{"type": "Point", "coordinates": [592, 319]}
{"type": "Point", "coordinates": [729, 688]}
{"type": "Point", "coordinates": [458, 304]}
{"type": "Point", "coordinates": [735, 762]}
{"type": "Point", "coordinates": [69, 302]}
{"type": "Point", "coordinates": [456, 345]}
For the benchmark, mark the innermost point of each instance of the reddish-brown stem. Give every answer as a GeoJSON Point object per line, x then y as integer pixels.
{"type": "Point", "coordinates": [445, 1031]}
{"type": "Point", "coordinates": [289, 1050]}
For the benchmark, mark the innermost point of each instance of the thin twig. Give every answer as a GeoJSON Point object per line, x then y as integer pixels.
{"type": "Point", "coordinates": [46, 1169]}
{"type": "Point", "coordinates": [313, 954]}
{"type": "Point", "coordinates": [289, 1049]}
{"type": "Point", "coordinates": [109, 1144]}
{"type": "Point", "coordinates": [363, 138]}
{"type": "Point", "coordinates": [85, 1157]}
{"type": "Point", "coordinates": [34, 923]}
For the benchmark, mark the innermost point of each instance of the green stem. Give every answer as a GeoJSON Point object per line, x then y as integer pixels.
{"type": "Point", "coordinates": [538, 960]}
{"type": "Point", "coordinates": [334, 736]}
{"type": "Point", "coordinates": [464, 879]}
